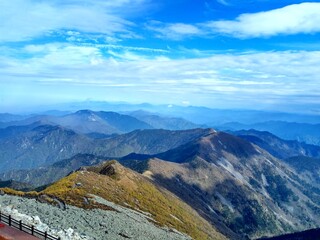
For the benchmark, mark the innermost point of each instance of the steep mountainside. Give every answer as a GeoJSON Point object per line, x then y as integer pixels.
{"type": "Point", "coordinates": [278, 147]}
{"type": "Point", "coordinates": [306, 167]}
{"type": "Point", "coordinates": [302, 157]}
{"type": "Point", "coordinates": [113, 182]}
{"type": "Point", "coordinates": [235, 185]}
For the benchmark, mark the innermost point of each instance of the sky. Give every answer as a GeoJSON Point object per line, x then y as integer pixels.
{"type": "Point", "coordinates": [249, 54]}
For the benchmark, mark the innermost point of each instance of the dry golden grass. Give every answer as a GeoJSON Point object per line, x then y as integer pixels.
{"type": "Point", "coordinates": [128, 188]}
{"type": "Point", "coordinates": [32, 194]}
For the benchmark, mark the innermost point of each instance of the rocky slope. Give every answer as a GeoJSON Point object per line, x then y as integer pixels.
{"type": "Point", "coordinates": [237, 186]}
{"type": "Point", "coordinates": [114, 183]}
{"type": "Point", "coordinates": [75, 223]}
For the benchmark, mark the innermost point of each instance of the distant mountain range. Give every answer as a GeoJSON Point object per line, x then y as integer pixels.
{"type": "Point", "coordinates": [7, 117]}
{"type": "Point", "coordinates": [302, 132]}
{"type": "Point", "coordinates": [43, 145]}
{"type": "Point", "coordinates": [208, 184]}
{"type": "Point", "coordinates": [106, 123]}
{"type": "Point", "coordinates": [45, 175]}
{"type": "Point", "coordinates": [161, 122]}
{"type": "Point", "coordinates": [118, 118]}
{"type": "Point", "coordinates": [278, 147]}
{"type": "Point", "coordinates": [235, 185]}
{"type": "Point", "coordinates": [195, 114]}
{"type": "Point", "coordinates": [26, 147]}
{"type": "Point", "coordinates": [86, 121]}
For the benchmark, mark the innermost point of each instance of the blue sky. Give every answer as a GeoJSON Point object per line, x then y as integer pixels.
{"type": "Point", "coordinates": [262, 54]}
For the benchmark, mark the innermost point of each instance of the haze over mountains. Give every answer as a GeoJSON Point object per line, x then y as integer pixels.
{"type": "Point", "coordinates": [239, 184]}
{"type": "Point", "coordinates": [290, 126]}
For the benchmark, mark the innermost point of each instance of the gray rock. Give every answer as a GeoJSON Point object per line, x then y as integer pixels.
{"type": "Point", "coordinates": [76, 223]}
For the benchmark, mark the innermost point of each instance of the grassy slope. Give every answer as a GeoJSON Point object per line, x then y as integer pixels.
{"type": "Point", "coordinates": [128, 188]}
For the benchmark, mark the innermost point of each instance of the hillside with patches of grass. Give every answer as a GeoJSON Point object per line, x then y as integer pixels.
{"type": "Point", "coordinates": [125, 187]}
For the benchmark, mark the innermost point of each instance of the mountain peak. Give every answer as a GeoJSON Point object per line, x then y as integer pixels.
{"type": "Point", "coordinates": [211, 145]}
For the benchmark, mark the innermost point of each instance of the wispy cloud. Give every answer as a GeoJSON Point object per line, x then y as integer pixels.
{"type": "Point", "coordinates": [27, 19]}
{"type": "Point", "coordinates": [220, 77]}
{"type": "Point", "coordinates": [174, 31]}
{"type": "Point", "coordinates": [224, 2]}
{"type": "Point", "coordinates": [293, 19]}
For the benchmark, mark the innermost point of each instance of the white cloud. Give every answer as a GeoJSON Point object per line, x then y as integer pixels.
{"type": "Point", "coordinates": [175, 31]}
{"type": "Point", "coordinates": [300, 18]}
{"type": "Point", "coordinates": [223, 78]}
{"type": "Point", "coordinates": [26, 19]}
{"type": "Point", "coordinates": [292, 19]}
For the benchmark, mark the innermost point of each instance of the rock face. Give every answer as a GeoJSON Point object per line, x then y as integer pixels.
{"type": "Point", "coordinates": [78, 224]}
{"type": "Point", "coordinates": [110, 170]}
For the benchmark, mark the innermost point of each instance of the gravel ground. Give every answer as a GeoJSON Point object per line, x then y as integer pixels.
{"type": "Point", "coordinates": [76, 223]}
